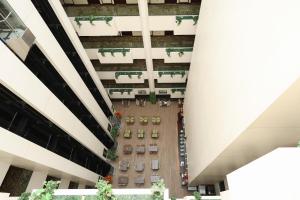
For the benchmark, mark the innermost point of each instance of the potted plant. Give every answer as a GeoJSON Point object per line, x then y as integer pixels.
{"type": "Point", "coordinates": [158, 189]}
{"type": "Point", "coordinates": [24, 196]}
{"type": "Point", "coordinates": [104, 191]}
{"type": "Point", "coordinates": [197, 195]}
{"type": "Point", "coordinates": [108, 179]}
{"type": "Point", "coordinates": [111, 154]}
{"type": "Point", "coordinates": [46, 193]}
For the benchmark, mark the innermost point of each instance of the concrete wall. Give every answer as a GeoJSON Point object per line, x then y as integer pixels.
{"type": "Point", "coordinates": [245, 56]}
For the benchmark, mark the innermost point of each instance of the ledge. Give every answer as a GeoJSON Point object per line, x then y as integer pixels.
{"type": "Point", "coordinates": [137, 41]}
{"type": "Point", "coordinates": [137, 65]}
{"type": "Point", "coordinates": [112, 42]}
{"type": "Point", "coordinates": [159, 65]}
{"type": "Point", "coordinates": [169, 85]}
{"type": "Point", "coordinates": [113, 84]}
{"type": "Point", "coordinates": [132, 10]}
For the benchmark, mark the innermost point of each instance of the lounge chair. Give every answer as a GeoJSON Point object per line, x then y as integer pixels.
{"type": "Point", "coordinates": [141, 133]}
{"type": "Point", "coordinates": [154, 164]}
{"type": "Point", "coordinates": [127, 149]}
{"type": "Point", "coordinates": [140, 149]}
{"type": "Point", "coordinates": [139, 180]}
{"type": "Point", "coordinates": [155, 134]}
{"type": "Point", "coordinates": [155, 120]}
{"type": "Point", "coordinates": [127, 133]}
{"type": "Point", "coordinates": [144, 120]}
{"type": "Point", "coordinates": [123, 180]}
{"type": "Point", "coordinates": [139, 167]}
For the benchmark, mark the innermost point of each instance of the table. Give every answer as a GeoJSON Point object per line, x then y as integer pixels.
{"type": "Point", "coordinates": [139, 167]}
{"type": "Point", "coordinates": [154, 178]}
{"type": "Point", "coordinates": [153, 148]}
{"type": "Point", "coordinates": [123, 180]}
{"type": "Point", "coordinates": [154, 164]}
{"type": "Point", "coordinates": [139, 180]}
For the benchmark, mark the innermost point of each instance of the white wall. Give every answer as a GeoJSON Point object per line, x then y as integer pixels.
{"type": "Point", "coordinates": [40, 159]}
{"type": "Point", "coordinates": [133, 23]}
{"type": "Point", "coordinates": [245, 56]}
{"type": "Point", "coordinates": [274, 176]}
{"type": "Point", "coordinates": [15, 76]}
{"type": "Point", "coordinates": [64, 20]}
{"type": "Point", "coordinates": [52, 50]}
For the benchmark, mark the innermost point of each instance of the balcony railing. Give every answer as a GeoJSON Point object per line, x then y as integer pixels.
{"type": "Point", "coordinates": [129, 74]}
{"type": "Point", "coordinates": [132, 10]}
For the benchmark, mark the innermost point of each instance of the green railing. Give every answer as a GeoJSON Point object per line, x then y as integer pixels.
{"type": "Point", "coordinates": [112, 51]}
{"type": "Point", "coordinates": [172, 73]}
{"type": "Point", "coordinates": [92, 18]}
{"type": "Point", "coordinates": [182, 90]}
{"type": "Point", "coordinates": [188, 17]}
{"type": "Point", "coordinates": [180, 51]}
{"type": "Point", "coordinates": [121, 90]}
{"type": "Point", "coordinates": [129, 74]}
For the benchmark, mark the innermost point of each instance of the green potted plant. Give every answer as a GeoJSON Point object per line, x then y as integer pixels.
{"type": "Point", "coordinates": [104, 191]}
{"type": "Point", "coordinates": [111, 154]}
{"type": "Point", "coordinates": [46, 193]}
{"type": "Point", "coordinates": [197, 195]}
{"type": "Point", "coordinates": [24, 196]}
{"type": "Point", "coordinates": [158, 189]}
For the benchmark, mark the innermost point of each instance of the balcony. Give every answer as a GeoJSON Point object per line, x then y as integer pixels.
{"type": "Point", "coordinates": [137, 65]}
{"type": "Point", "coordinates": [132, 10]}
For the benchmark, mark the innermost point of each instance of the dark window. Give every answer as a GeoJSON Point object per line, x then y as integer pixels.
{"type": "Point", "coordinates": [126, 33]}
{"type": "Point", "coordinates": [222, 186]}
{"type": "Point", "coordinates": [15, 181]}
{"type": "Point", "coordinates": [120, 1]}
{"type": "Point", "coordinates": [169, 32]}
{"type": "Point", "coordinates": [93, 1]}
{"type": "Point", "coordinates": [73, 185]}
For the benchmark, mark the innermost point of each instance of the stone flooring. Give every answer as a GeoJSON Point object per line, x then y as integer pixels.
{"type": "Point", "coordinates": [167, 142]}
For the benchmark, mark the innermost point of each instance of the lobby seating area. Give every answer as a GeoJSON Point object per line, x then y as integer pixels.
{"type": "Point", "coordinates": [148, 142]}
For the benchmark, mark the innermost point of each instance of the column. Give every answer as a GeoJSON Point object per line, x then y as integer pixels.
{"type": "Point", "coordinates": [64, 183]}
{"type": "Point", "coordinates": [4, 166]}
{"type": "Point", "coordinates": [37, 180]}
{"type": "Point", "coordinates": [143, 10]}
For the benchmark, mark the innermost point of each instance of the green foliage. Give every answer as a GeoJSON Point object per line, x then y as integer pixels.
{"type": "Point", "coordinates": [24, 196]}
{"type": "Point", "coordinates": [104, 191]}
{"type": "Point", "coordinates": [46, 193]}
{"type": "Point", "coordinates": [111, 154]}
{"type": "Point", "coordinates": [152, 97]}
{"type": "Point", "coordinates": [158, 189]}
{"type": "Point", "coordinates": [114, 132]}
{"type": "Point", "coordinates": [173, 198]}
{"type": "Point", "coordinates": [197, 195]}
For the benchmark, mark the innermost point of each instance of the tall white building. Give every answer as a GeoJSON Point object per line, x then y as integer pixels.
{"type": "Point", "coordinates": [235, 64]}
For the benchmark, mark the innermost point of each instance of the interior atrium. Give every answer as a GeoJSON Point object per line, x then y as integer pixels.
{"type": "Point", "coordinates": [152, 100]}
